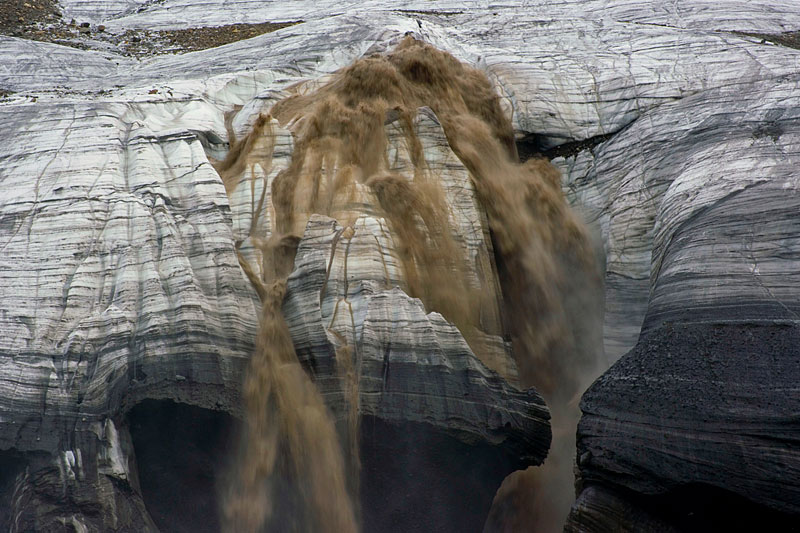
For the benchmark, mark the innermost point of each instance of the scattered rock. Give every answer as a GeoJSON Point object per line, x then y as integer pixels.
{"type": "Point", "coordinates": [18, 15]}
{"type": "Point", "coordinates": [192, 39]}
{"type": "Point", "coordinates": [790, 39]}
{"type": "Point", "coordinates": [42, 23]}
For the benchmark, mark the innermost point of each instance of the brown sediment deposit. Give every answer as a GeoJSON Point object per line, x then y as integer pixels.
{"type": "Point", "coordinates": [340, 163]}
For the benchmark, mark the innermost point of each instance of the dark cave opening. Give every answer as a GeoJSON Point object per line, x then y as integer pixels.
{"type": "Point", "coordinates": [12, 463]}
{"type": "Point", "coordinates": [699, 508]}
{"type": "Point", "coordinates": [416, 478]}
{"type": "Point", "coordinates": [531, 145]}
{"type": "Point", "coordinates": [181, 454]}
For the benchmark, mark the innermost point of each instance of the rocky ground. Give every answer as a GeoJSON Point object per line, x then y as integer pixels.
{"type": "Point", "coordinates": [789, 38]}
{"type": "Point", "coordinates": [18, 17]}
{"type": "Point", "coordinates": [42, 20]}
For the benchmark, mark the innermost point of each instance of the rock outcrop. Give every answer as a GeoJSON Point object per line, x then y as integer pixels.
{"type": "Point", "coordinates": [696, 423]}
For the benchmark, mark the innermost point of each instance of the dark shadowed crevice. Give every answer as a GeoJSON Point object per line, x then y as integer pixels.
{"type": "Point", "coordinates": [699, 507]}
{"type": "Point", "coordinates": [416, 478]}
{"type": "Point", "coordinates": [789, 39]}
{"type": "Point", "coordinates": [181, 455]}
{"type": "Point", "coordinates": [12, 463]}
{"type": "Point", "coordinates": [532, 145]}
{"type": "Point", "coordinates": [688, 508]}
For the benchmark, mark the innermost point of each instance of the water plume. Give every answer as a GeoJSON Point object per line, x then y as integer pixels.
{"type": "Point", "coordinates": [284, 412]}
{"type": "Point", "coordinates": [340, 167]}
{"type": "Point", "coordinates": [434, 269]}
{"type": "Point", "coordinates": [348, 372]}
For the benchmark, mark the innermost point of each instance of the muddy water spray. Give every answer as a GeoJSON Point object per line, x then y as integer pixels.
{"type": "Point", "coordinates": [340, 161]}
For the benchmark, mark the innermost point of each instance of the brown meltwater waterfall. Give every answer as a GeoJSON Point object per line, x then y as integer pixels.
{"type": "Point", "coordinates": [284, 412]}
{"type": "Point", "coordinates": [289, 432]}
{"type": "Point", "coordinates": [341, 168]}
